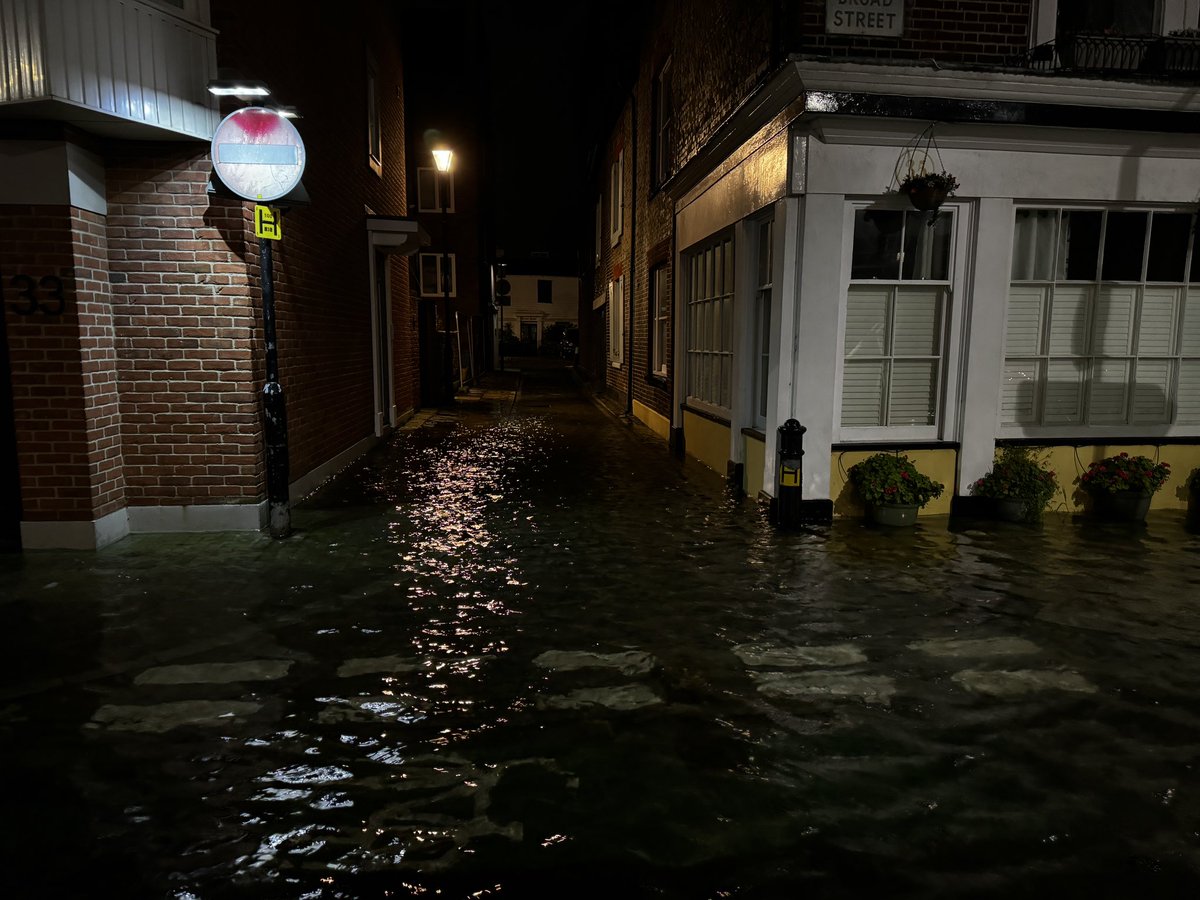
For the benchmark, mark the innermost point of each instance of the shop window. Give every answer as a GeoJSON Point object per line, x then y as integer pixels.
{"type": "Point", "coordinates": [708, 306]}
{"type": "Point", "coordinates": [1102, 328]}
{"type": "Point", "coordinates": [762, 321]}
{"type": "Point", "coordinates": [894, 340]}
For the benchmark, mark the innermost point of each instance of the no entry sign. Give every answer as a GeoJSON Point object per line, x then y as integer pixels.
{"type": "Point", "coordinates": [258, 153]}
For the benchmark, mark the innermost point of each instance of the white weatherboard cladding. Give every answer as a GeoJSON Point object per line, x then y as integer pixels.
{"type": "Point", "coordinates": [123, 58]}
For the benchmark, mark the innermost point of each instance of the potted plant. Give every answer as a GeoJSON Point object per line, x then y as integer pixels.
{"type": "Point", "coordinates": [892, 488]}
{"type": "Point", "coordinates": [1121, 486]}
{"type": "Point", "coordinates": [1018, 485]}
{"type": "Point", "coordinates": [927, 190]}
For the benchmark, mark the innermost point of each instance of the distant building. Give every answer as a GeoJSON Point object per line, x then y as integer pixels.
{"type": "Point", "coordinates": [541, 314]}
{"type": "Point", "coordinates": [133, 349]}
{"type": "Point", "coordinates": [752, 261]}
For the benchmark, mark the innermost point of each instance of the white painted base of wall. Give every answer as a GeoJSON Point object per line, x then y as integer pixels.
{"type": "Point", "coordinates": [75, 535]}
{"type": "Point", "coordinates": [306, 484]}
{"type": "Point", "coordinates": [198, 518]}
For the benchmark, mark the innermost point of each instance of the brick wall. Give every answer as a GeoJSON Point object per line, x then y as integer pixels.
{"type": "Point", "coordinates": [322, 265]}
{"type": "Point", "coordinates": [47, 366]}
{"type": "Point", "coordinates": [969, 32]}
{"type": "Point", "coordinates": [184, 315]}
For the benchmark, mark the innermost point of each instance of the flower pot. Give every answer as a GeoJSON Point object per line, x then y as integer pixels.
{"type": "Point", "coordinates": [1009, 509]}
{"type": "Point", "coordinates": [894, 514]}
{"type": "Point", "coordinates": [1123, 506]}
{"type": "Point", "coordinates": [926, 197]}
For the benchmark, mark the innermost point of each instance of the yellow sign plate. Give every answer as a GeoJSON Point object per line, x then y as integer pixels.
{"type": "Point", "coordinates": [266, 223]}
{"type": "Point", "coordinates": [789, 477]}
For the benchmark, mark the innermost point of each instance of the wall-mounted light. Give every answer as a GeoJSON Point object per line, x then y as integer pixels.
{"type": "Point", "coordinates": [237, 87]}
{"type": "Point", "coordinates": [443, 158]}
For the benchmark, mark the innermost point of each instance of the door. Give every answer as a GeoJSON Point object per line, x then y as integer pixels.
{"type": "Point", "coordinates": [382, 328]}
{"type": "Point", "coordinates": [429, 346]}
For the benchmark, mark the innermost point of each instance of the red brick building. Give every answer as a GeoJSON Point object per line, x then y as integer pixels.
{"type": "Point", "coordinates": [754, 260]}
{"type": "Point", "coordinates": [132, 307]}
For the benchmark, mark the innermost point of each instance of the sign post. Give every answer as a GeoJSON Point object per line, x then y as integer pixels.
{"type": "Point", "coordinates": [259, 155]}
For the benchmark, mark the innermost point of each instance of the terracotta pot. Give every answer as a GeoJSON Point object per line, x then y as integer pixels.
{"type": "Point", "coordinates": [894, 514]}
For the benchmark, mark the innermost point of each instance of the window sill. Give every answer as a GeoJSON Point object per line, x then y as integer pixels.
{"type": "Point", "coordinates": [705, 414]}
{"type": "Point", "coordinates": [658, 380]}
{"type": "Point", "coordinates": [899, 444]}
{"type": "Point", "coordinates": [757, 433]}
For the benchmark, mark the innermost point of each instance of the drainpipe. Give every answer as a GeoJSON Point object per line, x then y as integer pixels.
{"type": "Point", "coordinates": [632, 241]}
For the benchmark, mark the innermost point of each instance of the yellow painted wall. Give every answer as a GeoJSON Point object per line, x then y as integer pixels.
{"type": "Point", "coordinates": [1068, 463]}
{"type": "Point", "coordinates": [707, 441]}
{"type": "Point", "coordinates": [940, 465]}
{"type": "Point", "coordinates": [660, 425]}
{"type": "Point", "coordinates": [752, 473]}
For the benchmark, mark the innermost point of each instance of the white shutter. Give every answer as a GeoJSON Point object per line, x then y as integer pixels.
{"type": "Point", "coordinates": [1069, 320]}
{"type": "Point", "coordinates": [1113, 324]}
{"type": "Point", "coordinates": [1187, 402]}
{"type": "Point", "coordinates": [1109, 392]}
{"type": "Point", "coordinates": [1018, 392]}
{"type": "Point", "coordinates": [862, 393]}
{"type": "Point", "coordinates": [1023, 326]}
{"type": "Point", "coordinates": [915, 322]}
{"type": "Point", "coordinates": [913, 387]}
{"type": "Point", "coordinates": [1064, 391]}
{"type": "Point", "coordinates": [866, 321]}
{"type": "Point", "coordinates": [1156, 327]}
{"type": "Point", "coordinates": [1190, 343]}
{"type": "Point", "coordinates": [1151, 391]}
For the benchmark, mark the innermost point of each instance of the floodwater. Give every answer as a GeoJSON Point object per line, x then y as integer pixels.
{"type": "Point", "coordinates": [524, 652]}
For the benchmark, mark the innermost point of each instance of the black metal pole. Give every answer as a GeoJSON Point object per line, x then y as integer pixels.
{"type": "Point", "coordinates": [274, 408]}
{"type": "Point", "coordinates": [789, 456]}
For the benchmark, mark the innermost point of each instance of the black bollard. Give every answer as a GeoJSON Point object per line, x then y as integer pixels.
{"type": "Point", "coordinates": [789, 452]}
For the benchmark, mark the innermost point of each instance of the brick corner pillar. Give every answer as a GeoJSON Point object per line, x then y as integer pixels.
{"type": "Point", "coordinates": [58, 318]}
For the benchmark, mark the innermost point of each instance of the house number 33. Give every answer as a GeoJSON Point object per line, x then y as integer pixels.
{"type": "Point", "coordinates": [42, 295]}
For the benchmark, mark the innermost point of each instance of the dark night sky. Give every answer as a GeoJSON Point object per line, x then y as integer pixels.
{"type": "Point", "coordinates": [531, 76]}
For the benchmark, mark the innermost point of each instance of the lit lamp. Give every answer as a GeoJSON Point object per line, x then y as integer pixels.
{"type": "Point", "coordinates": [443, 159]}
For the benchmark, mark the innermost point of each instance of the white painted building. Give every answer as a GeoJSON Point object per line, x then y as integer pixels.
{"type": "Point", "coordinates": [1051, 301]}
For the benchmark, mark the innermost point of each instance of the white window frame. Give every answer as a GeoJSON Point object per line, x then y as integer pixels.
{"type": "Point", "coordinates": [697, 302]}
{"type": "Point", "coordinates": [664, 116]}
{"type": "Point", "coordinates": [760, 326]}
{"type": "Point", "coordinates": [449, 267]}
{"type": "Point", "coordinates": [946, 413]}
{"type": "Point", "coordinates": [1169, 15]}
{"type": "Point", "coordinates": [190, 10]}
{"type": "Point", "coordinates": [616, 205]}
{"type": "Point", "coordinates": [442, 190]}
{"type": "Point", "coordinates": [660, 318]}
{"type": "Point", "coordinates": [599, 228]}
{"type": "Point", "coordinates": [616, 322]}
{"type": "Point", "coordinates": [1102, 431]}
{"type": "Point", "coordinates": [374, 118]}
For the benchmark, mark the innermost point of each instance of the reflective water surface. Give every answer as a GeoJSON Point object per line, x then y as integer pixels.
{"type": "Point", "coordinates": [524, 652]}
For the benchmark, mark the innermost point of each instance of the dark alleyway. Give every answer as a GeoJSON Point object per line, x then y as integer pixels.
{"type": "Point", "coordinates": [522, 651]}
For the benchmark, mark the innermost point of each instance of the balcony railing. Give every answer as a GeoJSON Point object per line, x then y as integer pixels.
{"type": "Point", "coordinates": [1118, 56]}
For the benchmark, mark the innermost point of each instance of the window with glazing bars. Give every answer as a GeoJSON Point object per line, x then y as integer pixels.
{"type": "Point", "coordinates": [708, 304]}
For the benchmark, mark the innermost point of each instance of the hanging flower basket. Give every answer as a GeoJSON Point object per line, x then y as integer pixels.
{"type": "Point", "coordinates": [921, 175]}
{"type": "Point", "coordinates": [928, 191]}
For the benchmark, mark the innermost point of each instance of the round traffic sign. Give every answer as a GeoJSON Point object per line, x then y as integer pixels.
{"type": "Point", "coordinates": [258, 153]}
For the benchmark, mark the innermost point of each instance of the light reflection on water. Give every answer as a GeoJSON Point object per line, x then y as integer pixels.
{"type": "Point", "coordinates": [536, 644]}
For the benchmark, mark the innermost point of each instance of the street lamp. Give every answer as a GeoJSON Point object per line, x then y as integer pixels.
{"type": "Point", "coordinates": [443, 159]}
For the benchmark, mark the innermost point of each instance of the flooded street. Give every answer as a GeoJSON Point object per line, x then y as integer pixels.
{"type": "Point", "coordinates": [522, 651]}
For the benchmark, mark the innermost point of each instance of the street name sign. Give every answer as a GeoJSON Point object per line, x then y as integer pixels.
{"type": "Point", "coordinates": [873, 18]}
{"type": "Point", "coordinates": [258, 153]}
